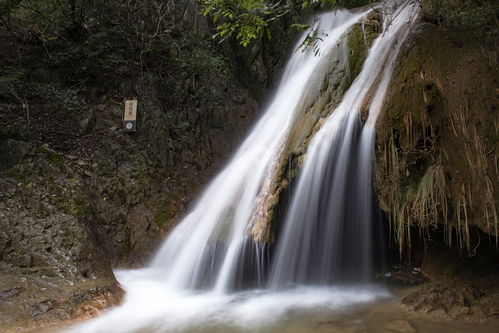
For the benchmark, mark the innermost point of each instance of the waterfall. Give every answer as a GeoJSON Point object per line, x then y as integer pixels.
{"type": "Point", "coordinates": [327, 230]}
{"type": "Point", "coordinates": [204, 249]}
{"type": "Point", "coordinates": [326, 235]}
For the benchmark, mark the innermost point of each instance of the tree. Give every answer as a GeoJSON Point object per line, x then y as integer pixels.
{"type": "Point", "coordinates": [248, 20]}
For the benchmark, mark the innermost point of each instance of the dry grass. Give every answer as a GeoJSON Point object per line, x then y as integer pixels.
{"type": "Point", "coordinates": [430, 203]}
{"type": "Point", "coordinates": [440, 156]}
{"type": "Point", "coordinates": [476, 158]}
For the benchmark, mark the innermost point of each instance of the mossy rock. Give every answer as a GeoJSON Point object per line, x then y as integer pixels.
{"type": "Point", "coordinates": [438, 113]}
{"type": "Point", "coordinates": [358, 50]}
{"type": "Point", "coordinates": [360, 38]}
{"type": "Point", "coordinates": [52, 157]}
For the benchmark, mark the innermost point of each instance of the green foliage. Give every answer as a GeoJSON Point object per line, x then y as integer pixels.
{"type": "Point", "coordinates": [81, 44]}
{"type": "Point", "coordinates": [56, 96]}
{"type": "Point", "coordinates": [56, 19]}
{"type": "Point", "coordinates": [53, 157]}
{"type": "Point", "coordinates": [100, 50]}
{"type": "Point", "coordinates": [17, 174]}
{"type": "Point", "coordinates": [312, 40]}
{"type": "Point", "coordinates": [246, 19]}
{"type": "Point", "coordinates": [300, 26]}
{"type": "Point", "coordinates": [322, 3]}
{"type": "Point", "coordinates": [481, 14]}
{"type": "Point", "coordinates": [196, 54]}
{"type": "Point", "coordinates": [10, 82]}
{"type": "Point", "coordinates": [160, 219]}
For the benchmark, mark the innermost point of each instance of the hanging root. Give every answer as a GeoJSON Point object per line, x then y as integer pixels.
{"type": "Point", "coordinates": [431, 199]}
{"type": "Point", "coordinates": [431, 203]}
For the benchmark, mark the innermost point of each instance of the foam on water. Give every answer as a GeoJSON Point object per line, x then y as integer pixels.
{"type": "Point", "coordinates": [152, 307]}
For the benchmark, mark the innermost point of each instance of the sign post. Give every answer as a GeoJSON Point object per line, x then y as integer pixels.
{"type": "Point", "coordinates": [130, 116]}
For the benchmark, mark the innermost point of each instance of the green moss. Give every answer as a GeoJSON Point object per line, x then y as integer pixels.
{"type": "Point", "coordinates": [71, 239]}
{"type": "Point", "coordinates": [81, 206]}
{"type": "Point", "coordinates": [52, 157]}
{"type": "Point", "coordinates": [77, 206]}
{"type": "Point", "coordinates": [64, 204]}
{"type": "Point", "coordinates": [359, 39]}
{"type": "Point", "coordinates": [42, 211]}
{"type": "Point", "coordinates": [160, 218]}
{"type": "Point", "coordinates": [17, 174]}
{"type": "Point", "coordinates": [164, 211]}
{"type": "Point", "coordinates": [358, 50]}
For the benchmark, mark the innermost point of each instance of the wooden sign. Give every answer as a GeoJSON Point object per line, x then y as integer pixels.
{"type": "Point", "coordinates": [130, 115]}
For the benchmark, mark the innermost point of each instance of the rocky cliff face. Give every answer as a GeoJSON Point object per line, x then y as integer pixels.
{"type": "Point", "coordinates": [437, 139]}
{"type": "Point", "coordinates": [97, 198]}
{"type": "Point", "coordinates": [436, 166]}
{"type": "Point", "coordinates": [79, 196]}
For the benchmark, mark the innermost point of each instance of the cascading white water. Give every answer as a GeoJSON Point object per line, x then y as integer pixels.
{"type": "Point", "coordinates": [189, 282]}
{"type": "Point", "coordinates": [203, 249]}
{"type": "Point", "coordinates": [327, 232]}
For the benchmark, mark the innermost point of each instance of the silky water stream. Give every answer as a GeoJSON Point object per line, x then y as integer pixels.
{"type": "Point", "coordinates": [321, 266]}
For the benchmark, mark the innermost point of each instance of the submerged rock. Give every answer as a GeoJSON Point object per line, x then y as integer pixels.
{"type": "Point", "coordinates": [456, 299]}
{"type": "Point", "coordinates": [39, 309]}
{"type": "Point", "coordinates": [9, 293]}
{"type": "Point", "coordinates": [400, 326]}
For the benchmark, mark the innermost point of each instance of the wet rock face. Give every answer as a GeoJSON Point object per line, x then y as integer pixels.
{"type": "Point", "coordinates": [37, 301]}
{"type": "Point", "coordinates": [105, 197]}
{"type": "Point", "coordinates": [78, 196]}
{"type": "Point", "coordinates": [452, 298]}
{"type": "Point", "coordinates": [43, 216]}
{"type": "Point", "coordinates": [461, 287]}
{"type": "Point", "coordinates": [456, 300]}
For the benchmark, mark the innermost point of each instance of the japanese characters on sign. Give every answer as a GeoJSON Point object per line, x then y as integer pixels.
{"type": "Point", "coordinates": [130, 115]}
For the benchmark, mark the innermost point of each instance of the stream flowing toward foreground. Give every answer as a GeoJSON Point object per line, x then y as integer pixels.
{"type": "Point", "coordinates": [210, 276]}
